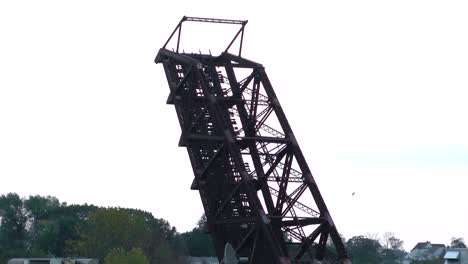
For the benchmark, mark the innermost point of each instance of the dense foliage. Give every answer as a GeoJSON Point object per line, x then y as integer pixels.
{"type": "Point", "coordinates": [369, 249]}
{"type": "Point", "coordinates": [120, 256]}
{"type": "Point", "coordinates": [457, 242]}
{"type": "Point", "coordinates": [43, 227]}
{"type": "Point", "coordinates": [40, 226]}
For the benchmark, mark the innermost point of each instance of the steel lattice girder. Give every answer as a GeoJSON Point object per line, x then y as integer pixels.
{"type": "Point", "coordinates": [231, 121]}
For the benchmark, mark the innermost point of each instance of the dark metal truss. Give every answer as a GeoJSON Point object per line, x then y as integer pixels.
{"type": "Point", "coordinates": [209, 20]}
{"type": "Point", "coordinates": [254, 182]}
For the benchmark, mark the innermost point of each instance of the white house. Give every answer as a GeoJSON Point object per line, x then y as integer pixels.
{"type": "Point", "coordinates": [425, 251]}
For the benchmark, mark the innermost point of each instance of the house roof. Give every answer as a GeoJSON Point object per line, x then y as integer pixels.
{"type": "Point", "coordinates": [438, 245]}
{"type": "Point", "coordinates": [426, 250]}
{"type": "Point", "coordinates": [422, 245]}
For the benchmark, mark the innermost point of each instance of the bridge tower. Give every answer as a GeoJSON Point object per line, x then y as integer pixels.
{"type": "Point", "coordinates": [256, 188]}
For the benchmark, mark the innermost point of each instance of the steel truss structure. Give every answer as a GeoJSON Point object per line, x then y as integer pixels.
{"type": "Point", "coordinates": [257, 190]}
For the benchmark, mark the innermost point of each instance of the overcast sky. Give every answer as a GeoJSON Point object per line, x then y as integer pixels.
{"type": "Point", "coordinates": [376, 92]}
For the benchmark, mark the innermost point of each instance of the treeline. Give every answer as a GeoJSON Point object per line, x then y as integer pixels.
{"type": "Point", "coordinates": [40, 226]}
{"type": "Point", "coordinates": [371, 249]}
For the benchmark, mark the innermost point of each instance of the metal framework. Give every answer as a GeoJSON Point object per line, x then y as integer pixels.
{"type": "Point", "coordinates": [257, 190]}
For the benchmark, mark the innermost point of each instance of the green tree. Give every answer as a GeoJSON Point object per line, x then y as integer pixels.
{"type": "Point", "coordinates": [166, 244]}
{"type": "Point", "coordinates": [39, 207]}
{"type": "Point", "coordinates": [110, 228]}
{"type": "Point", "coordinates": [364, 250]}
{"type": "Point", "coordinates": [107, 229]}
{"type": "Point", "coordinates": [41, 226]}
{"type": "Point", "coordinates": [202, 224]}
{"type": "Point", "coordinates": [391, 242]}
{"type": "Point", "coordinates": [52, 224]}
{"type": "Point", "coordinates": [42, 231]}
{"type": "Point", "coordinates": [12, 225]}
{"type": "Point", "coordinates": [66, 221]}
{"type": "Point", "coordinates": [198, 242]}
{"type": "Point", "coordinates": [120, 256]}
{"type": "Point", "coordinates": [457, 242]}
{"type": "Point", "coordinates": [392, 252]}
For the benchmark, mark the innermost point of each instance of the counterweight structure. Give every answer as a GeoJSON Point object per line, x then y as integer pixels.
{"type": "Point", "coordinates": [256, 188]}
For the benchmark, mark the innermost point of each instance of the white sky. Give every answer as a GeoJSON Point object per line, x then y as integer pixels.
{"type": "Point", "coordinates": [374, 90]}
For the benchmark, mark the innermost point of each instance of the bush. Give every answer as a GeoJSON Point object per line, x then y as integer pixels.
{"type": "Point", "coordinates": [120, 256]}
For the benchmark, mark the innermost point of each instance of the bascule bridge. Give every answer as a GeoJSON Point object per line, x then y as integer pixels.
{"type": "Point", "coordinates": [256, 188]}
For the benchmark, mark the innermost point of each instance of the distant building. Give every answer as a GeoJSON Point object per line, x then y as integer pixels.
{"type": "Point", "coordinates": [425, 251]}
{"type": "Point", "coordinates": [456, 256]}
{"type": "Point", "coordinates": [53, 261]}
